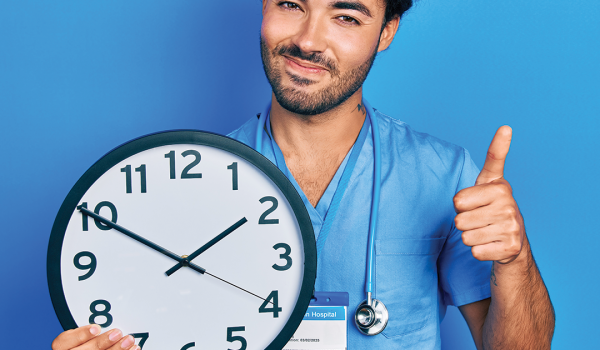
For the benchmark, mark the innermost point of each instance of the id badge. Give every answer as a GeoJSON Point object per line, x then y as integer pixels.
{"type": "Point", "coordinates": [325, 324]}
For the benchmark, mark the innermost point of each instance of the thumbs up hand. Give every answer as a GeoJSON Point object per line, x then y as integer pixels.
{"type": "Point", "coordinates": [487, 213]}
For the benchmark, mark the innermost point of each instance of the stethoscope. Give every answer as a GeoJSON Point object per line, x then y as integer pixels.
{"type": "Point", "coordinates": [371, 316]}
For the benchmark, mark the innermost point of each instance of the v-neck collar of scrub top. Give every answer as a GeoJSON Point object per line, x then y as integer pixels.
{"type": "Point", "coordinates": [318, 213]}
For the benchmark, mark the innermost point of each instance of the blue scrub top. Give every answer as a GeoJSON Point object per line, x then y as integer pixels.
{"type": "Point", "coordinates": [421, 264]}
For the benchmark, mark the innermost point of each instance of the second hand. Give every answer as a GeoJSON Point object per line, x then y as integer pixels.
{"type": "Point", "coordinates": [238, 287]}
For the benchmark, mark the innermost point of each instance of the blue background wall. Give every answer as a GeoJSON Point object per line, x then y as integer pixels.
{"type": "Point", "coordinates": [78, 78]}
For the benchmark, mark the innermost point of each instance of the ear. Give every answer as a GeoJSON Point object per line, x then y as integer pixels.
{"type": "Point", "coordinates": [388, 33]}
{"type": "Point", "coordinates": [264, 4]}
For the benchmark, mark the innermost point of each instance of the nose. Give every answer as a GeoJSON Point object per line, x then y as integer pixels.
{"type": "Point", "coordinates": [311, 34]}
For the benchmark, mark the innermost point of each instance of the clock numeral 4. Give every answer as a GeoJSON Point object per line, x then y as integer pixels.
{"type": "Point", "coordinates": [103, 227]}
{"type": "Point", "coordinates": [91, 267]}
{"type": "Point", "coordinates": [231, 338]}
{"type": "Point", "coordinates": [263, 218]}
{"type": "Point", "coordinates": [285, 255]}
{"type": "Point", "coordinates": [185, 174]}
{"type": "Point", "coordinates": [104, 312]}
{"type": "Point", "coordinates": [275, 309]}
{"type": "Point", "coordinates": [142, 170]}
{"type": "Point", "coordinates": [143, 337]}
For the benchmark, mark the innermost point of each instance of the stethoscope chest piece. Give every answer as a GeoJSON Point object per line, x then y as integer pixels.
{"type": "Point", "coordinates": [371, 319]}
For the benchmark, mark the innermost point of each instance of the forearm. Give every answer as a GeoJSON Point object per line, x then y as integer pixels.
{"type": "Point", "coordinates": [520, 315]}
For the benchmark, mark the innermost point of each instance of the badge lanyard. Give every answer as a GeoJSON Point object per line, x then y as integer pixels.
{"type": "Point", "coordinates": [371, 316]}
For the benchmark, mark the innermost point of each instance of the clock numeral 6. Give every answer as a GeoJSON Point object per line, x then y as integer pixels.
{"type": "Point", "coordinates": [143, 337]}
{"type": "Point", "coordinates": [141, 170]}
{"type": "Point", "coordinates": [91, 266]}
{"type": "Point", "coordinates": [185, 174]}
{"type": "Point", "coordinates": [275, 309]}
{"type": "Point", "coordinates": [103, 227]}
{"type": "Point", "coordinates": [263, 218]}
{"type": "Point", "coordinates": [231, 338]}
{"type": "Point", "coordinates": [285, 255]}
{"type": "Point", "coordinates": [104, 312]}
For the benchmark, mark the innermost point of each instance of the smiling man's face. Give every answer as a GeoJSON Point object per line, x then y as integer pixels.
{"type": "Point", "coordinates": [317, 53]}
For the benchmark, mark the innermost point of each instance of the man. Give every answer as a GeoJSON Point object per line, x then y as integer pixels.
{"type": "Point", "coordinates": [316, 55]}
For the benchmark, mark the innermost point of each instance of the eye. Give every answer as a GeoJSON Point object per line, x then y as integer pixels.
{"type": "Point", "coordinates": [348, 20]}
{"type": "Point", "coordinates": [289, 5]}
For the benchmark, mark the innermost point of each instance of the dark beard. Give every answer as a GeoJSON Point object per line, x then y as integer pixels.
{"type": "Point", "coordinates": [342, 87]}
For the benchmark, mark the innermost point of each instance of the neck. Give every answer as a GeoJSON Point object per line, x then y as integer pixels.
{"type": "Point", "coordinates": [331, 132]}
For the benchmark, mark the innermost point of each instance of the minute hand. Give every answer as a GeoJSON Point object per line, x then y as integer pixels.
{"type": "Point", "coordinates": [140, 239]}
{"type": "Point", "coordinates": [202, 249]}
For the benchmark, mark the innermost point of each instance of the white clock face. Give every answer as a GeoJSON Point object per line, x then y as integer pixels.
{"type": "Point", "coordinates": [179, 197]}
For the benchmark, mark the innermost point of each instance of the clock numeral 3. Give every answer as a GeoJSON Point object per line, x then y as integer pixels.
{"type": "Point", "coordinates": [185, 174]}
{"type": "Point", "coordinates": [91, 266]}
{"type": "Point", "coordinates": [285, 255]}
{"type": "Point", "coordinates": [142, 170]}
{"type": "Point", "coordinates": [234, 175]}
{"type": "Point", "coordinates": [104, 312]}
{"type": "Point", "coordinates": [188, 345]}
{"type": "Point", "coordinates": [143, 337]}
{"type": "Point", "coordinates": [263, 218]}
{"type": "Point", "coordinates": [103, 227]}
{"type": "Point", "coordinates": [275, 309]}
{"type": "Point", "coordinates": [231, 338]}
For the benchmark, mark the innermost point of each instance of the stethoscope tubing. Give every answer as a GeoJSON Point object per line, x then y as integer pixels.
{"type": "Point", "coordinates": [376, 185]}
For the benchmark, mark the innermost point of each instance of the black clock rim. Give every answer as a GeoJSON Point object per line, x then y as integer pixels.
{"type": "Point", "coordinates": [172, 137]}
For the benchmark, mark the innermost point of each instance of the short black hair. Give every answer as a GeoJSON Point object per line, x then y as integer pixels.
{"type": "Point", "coordinates": [395, 8]}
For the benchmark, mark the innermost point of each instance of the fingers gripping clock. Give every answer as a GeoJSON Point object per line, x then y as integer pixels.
{"type": "Point", "coordinates": [184, 239]}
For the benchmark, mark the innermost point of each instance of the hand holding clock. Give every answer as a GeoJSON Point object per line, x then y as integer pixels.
{"type": "Point", "coordinates": [89, 338]}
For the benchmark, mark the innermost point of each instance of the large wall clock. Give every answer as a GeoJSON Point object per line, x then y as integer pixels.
{"type": "Point", "coordinates": [184, 239]}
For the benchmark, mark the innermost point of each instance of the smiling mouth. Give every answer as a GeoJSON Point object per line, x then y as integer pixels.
{"type": "Point", "coordinates": [304, 67]}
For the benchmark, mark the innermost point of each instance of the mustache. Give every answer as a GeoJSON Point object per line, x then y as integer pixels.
{"type": "Point", "coordinates": [313, 57]}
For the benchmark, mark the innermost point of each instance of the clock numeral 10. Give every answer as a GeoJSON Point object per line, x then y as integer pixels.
{"type": "Point", "coordinates": [104, 312]}
{"type": "Point", "coordinates": [185, 174]}
{"type": "Point", "coordinates": [91, 266]}
{"type": "Point", "coordinates": [142, 170]}
{"type": "Point", "coordinates": [231, 338]}
{"type": "Point", "coordinates": [143, 337]}
{"type": "Point", "coordinates": [103, 227]}
{"type": "Point", "coordinates": [275, 309]}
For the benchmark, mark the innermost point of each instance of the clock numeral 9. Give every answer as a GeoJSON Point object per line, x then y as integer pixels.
{"type": "Point", "coordinates": [104, 312]}
{"type": "Point", "coordinates": [275, 309]}
{"type": "Point", "coordinates": [231, 338]}
{"type": "Point", "coordinates": [143, 337]}
{"type": "Point", "coordinates": [263, 218]}
{"type": "Point", "coordinates": [91, 266]}
{"type": "Point", "coordinates": [103, 227]}
{"type": "Point", "coordinates": [185, 174]}
{"type": "Point", "coordinates": [141, 170]}
{"type": "Point", "coordinates": [285, 255]}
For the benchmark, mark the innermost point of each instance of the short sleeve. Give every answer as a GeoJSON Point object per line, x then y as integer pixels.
{"type": "Point", "coordinates": [463, 279]}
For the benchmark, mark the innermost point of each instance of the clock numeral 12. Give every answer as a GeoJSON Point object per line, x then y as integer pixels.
{"type": "Point", "coordinates": [275, 309]}
{"type": "Point", "coordinates": [103, 227]}
{"type": "Point", "coordinates": [231, 338]}
{"type": "Point", "coordinates": [185, 174]}
{"type": "Point", "coordinates": [104, 312]}
{"type": "Point", "coordinates": [127, 170]}
{"type": "Point", "coordinates": [143, 337]}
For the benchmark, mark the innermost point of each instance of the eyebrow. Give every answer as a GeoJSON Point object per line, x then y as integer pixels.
{"type": "Point", "coordinates": [351, 5]}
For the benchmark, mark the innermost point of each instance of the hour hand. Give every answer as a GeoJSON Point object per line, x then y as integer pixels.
{"type": "Point", "coordinates": [202, 249]}
{"type": "Point", "coordinates": [140, 239]}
